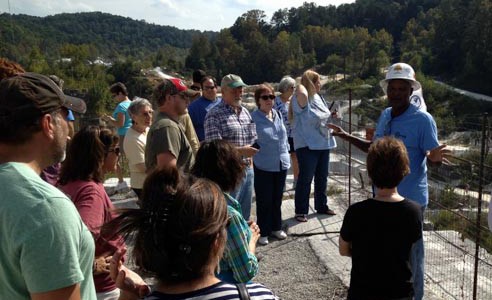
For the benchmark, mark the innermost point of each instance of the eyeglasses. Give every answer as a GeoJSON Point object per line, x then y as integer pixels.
{"type": "Point", "coordinates": [116, 150]}
{"type": "Point", "coordinates": [266, 97]}
{"type": "Point", "coordinates": [195, 88]}
{"type": "Point", "coordinates": [183, 96]}
{"type": "Point", "coordinates": [209, 87]}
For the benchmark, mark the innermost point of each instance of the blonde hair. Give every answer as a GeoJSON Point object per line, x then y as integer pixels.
{"type": "Point", "coordinates": [308, 79]}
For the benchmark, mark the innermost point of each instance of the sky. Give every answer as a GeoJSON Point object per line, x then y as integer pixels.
{"type": "Point", "coordinates": [183, 14]}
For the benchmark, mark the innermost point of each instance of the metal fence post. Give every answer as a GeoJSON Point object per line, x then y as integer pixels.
{"type": "Point", "coordinates": [479, 204]}
{"type": "Point", "coordinates": [350, 150]}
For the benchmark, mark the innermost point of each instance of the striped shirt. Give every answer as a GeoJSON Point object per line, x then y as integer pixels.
{"type": "Point", "coordinates": [218, 291]}
{"type": "Point", "coordinates": [283, 108]}
{"type": "Point", "coordinates": [222, 122]}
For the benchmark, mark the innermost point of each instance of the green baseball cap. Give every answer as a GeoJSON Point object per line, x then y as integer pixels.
{"type": "Point", "coordinates": [232, 81]}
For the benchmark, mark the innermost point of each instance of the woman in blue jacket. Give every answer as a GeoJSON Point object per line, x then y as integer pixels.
{"type": "Point", "coordinates": [313, 143]}
{"type": "Point", "coordinates": [270, 164]}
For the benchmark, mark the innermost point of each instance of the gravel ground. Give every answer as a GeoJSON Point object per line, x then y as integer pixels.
{"type": "Point", "coordinates": [291, 269]}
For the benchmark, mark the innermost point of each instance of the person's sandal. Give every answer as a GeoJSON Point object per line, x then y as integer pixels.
{"type": "Point", "coordinates": [301, 218]}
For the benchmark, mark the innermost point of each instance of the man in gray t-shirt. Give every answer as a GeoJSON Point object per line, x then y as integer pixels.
{"type": "Point", "coordinates": [167, 144]}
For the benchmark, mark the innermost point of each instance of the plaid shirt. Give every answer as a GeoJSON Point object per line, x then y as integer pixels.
{"type": "Point", "coordinates": [222, 122]}
{"type": "Point", "coordinates": [237, 258]}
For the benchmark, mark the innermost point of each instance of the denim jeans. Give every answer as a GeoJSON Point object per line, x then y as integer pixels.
{"type": "Point", "coordinates": [244, 192]}
{"type": "Point", "coordinates": [417, 259]}
{"type": "Point", "coordinates": [312, 163]}
{"type": "Point", "coordinates": [269, 190]}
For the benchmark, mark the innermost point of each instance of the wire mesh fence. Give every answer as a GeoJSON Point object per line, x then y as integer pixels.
{"type": "Point", "coordinates": [458, 241]}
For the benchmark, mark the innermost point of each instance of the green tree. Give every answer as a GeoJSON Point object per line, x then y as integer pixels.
{"type": "Point", "coordinates": [37, 62]}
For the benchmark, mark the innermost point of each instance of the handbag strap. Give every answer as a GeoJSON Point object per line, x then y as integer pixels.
{"type": "Point", "coordinates": [243, 291]}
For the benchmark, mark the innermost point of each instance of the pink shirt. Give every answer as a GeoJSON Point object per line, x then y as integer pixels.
{"type": "Point", "coordinates": [95, 209]}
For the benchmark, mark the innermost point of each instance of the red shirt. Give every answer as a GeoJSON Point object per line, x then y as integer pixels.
{"type": "Point", "coordinates": [95, 209]}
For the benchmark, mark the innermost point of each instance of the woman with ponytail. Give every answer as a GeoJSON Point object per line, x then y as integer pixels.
{"type": "Point", "coordinates": [179, 236]}
{"type": "Point", "coordinates": [312, 141]}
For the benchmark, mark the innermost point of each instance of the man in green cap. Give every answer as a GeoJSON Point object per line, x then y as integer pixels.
{"type": "Point", "coordinates": [231, 121]}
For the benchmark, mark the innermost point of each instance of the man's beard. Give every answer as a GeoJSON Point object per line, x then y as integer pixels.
{"type": "Point", "coordinates": [59, 151]}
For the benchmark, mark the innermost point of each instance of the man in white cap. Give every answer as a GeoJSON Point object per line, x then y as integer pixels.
{"type": "Point", "coordinates": [167, 144]}
{"type": "Point", "coordinates": [231, 121]}
{"type": "Point", "coordinates": [417, 130]}
{"type": "Point", "coordinates": [46, 251]}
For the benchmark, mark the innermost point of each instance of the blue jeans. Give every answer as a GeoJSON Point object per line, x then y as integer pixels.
{"type": "Point", "coordinates": [417, 259]}
{"type": "Point", "coordinates": [244, 192]}
{"type": "Point", "coordinates": [312, 163]}
{"type": "Point", "coordinates": [269, 190]}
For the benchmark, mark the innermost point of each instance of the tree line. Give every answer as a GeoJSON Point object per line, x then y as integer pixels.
{"type": "Point", "coordinates": [448, 39]}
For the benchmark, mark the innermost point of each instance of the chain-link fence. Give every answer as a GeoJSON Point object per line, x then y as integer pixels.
{"type": "Point", "coordinates": [458, 242]}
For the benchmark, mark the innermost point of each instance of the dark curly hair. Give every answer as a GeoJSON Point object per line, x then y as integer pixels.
{"type": "Point", "coordinates": [219, 161]}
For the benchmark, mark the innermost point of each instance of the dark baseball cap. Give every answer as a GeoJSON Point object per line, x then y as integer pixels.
{"type": "Point", "coordinates": [30, 95]}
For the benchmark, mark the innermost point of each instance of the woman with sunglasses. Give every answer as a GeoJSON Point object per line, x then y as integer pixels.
{"type": "Point", "coordinates": [93, 152]}
{"type": "Point", "coordinates": [270, 164]}
{"type": "Point", "coordinates": [179, 235]}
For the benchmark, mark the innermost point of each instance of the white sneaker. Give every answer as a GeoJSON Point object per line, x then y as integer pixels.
{"type": "Point", "coordinates": [279, 234]}
{"type": "Point", "coordinates": [263, 240]}
{"type": "Point", "coordinates": [122, 187]}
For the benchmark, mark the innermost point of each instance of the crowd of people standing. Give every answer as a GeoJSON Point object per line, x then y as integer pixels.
{"type": "Point", "coordinates": [195, 167]}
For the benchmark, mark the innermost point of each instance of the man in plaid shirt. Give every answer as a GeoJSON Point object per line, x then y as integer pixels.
{"type": "Point", "coordinates": [232, 122]}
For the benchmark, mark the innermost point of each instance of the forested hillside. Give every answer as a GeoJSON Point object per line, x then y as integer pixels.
{"type": "Point", "coordinates": [104, 35]}
{"type": "Point", "coordinates": [450, 39]}
{"type": "Point", "coordinates": [446, 39]}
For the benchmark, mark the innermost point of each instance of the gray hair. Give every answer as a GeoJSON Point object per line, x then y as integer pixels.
{"type": "Point", "coordinates": [286, 83]}
{"type": "Point", "coordinates": [137, 104]}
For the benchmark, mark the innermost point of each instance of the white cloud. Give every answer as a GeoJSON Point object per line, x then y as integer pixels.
{"type": "Point", "coordinates": [183, 14]}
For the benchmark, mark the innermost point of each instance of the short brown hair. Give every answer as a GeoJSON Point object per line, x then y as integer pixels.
{"type": "Point", "coordinates": [118, 88]}
{"type": "Point", "coordinates": [265, 87]}
{"type": "Point", "coordinates": [387, 162]}
{"type": "Point", "coordinates": [219, 161]}
{"type": "Point", "coordinates": [164, 88]}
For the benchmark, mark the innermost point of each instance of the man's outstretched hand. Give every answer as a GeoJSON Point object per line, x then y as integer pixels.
{"type": "Point", "coordinates": [439, 155]}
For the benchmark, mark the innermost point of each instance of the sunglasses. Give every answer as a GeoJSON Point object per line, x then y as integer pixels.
{"type": "Point", "coordinates": [195, 88]}
{"type": "Point", "coordinates": [266, 97]}
{"type": "Point", "coordinates": [116, 150]}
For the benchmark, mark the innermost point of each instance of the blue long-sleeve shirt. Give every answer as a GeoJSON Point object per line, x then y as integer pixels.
{"type": "Point", "coordinates": [272, 138]}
